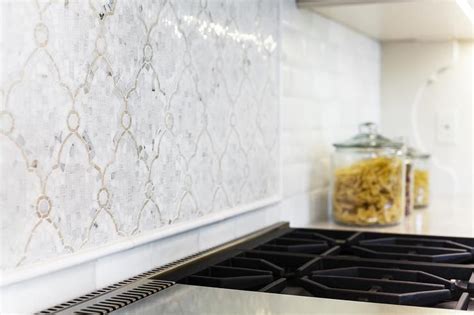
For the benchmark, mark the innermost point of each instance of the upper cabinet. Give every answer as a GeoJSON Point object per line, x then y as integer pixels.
{"type": "Point", "coordinates": [389, 20]}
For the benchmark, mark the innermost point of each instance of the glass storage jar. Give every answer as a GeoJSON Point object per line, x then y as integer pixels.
{"type": "Point", "coordinates": [421, 182]}
{"type": "Point", "coordinates": [368, 180]}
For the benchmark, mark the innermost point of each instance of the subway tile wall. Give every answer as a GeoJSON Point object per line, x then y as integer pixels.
{"type": "Point", "coordinates": [330, 78]}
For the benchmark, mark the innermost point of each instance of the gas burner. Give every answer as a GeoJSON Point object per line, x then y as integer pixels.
{"type": "Point", "coordinates": [232, 278]}
{"type": "Point", "coordinates": [293, 264]}
{"type": "Point", "coordinates": [332, 237]}
{"type": "Point", "coordinates": [461, 276]}
{"type": "Point", "coordinates": [296, 245]}
{"type": "Point", "coordinates": [384, 274]}
{"type": "Point", "coordinates": [416, 249]}
{"type": "Point", "coordinates": [382, 285]}
{"type": "Point", "coordinates": [380, 291]}
{"type": "Point", "coordinates": [254, 263]}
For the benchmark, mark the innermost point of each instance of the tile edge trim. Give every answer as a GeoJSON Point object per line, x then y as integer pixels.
{"type": "Point", "coordinates": [75, 259]}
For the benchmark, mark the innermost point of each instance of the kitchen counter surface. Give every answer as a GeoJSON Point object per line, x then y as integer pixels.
{"type": "Point", "coordinates": [449, 217]}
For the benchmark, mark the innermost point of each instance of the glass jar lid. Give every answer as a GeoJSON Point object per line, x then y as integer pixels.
{"type": "Point", "coordinates": [368, 137]}
{"type": "Point", "coordinates": [414, 153]}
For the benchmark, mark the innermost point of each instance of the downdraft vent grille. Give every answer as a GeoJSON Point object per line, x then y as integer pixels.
{"type": "Point", "coordinates": [122, 299]}
{"type": "Point", "coordinates": [95, 294]}
{"type": "Point", "coordinates": [113, 300]}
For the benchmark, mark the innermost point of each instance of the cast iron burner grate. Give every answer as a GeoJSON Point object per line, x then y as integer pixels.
{"type": "Point", "coordinates": [416, 249]}
{"type": "Point", "coordinates": [380, 285]}
{"type": "Point", "coordinates": [232, 278]}
{"type": "Point", "coordinates": [371, 267]}
{"type": "Point", "coordinates": [296, 245]}
{"type": "Point", "coordinates": [380, 291]}
{"type": "Point", "coordinates": [428, 271]}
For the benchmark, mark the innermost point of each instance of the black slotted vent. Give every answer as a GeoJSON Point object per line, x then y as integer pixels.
{"type": "Point", "coordinates": [111, 300]}
{"type": "Point", "coordinates": [127, 297]}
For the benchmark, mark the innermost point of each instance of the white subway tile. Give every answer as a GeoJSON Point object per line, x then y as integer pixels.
{"type": "Point", "coordinates": [120, 266]}
{"type": "Point", "coordinates": [42, 292]}
{"type": "Point", "coordinates": [326, 91]}
{"type": "Point", "coordinates": [293, 16]}
{"type": "Point", "coordinates": [254, 220]}
{"type": "Point", "coordinates": [175, 247]}
{"type": "Point", "coordinates": [293, 46]}
{"type": "Point", "coordinates": [296, 82]}
{"type": "Point", "coordinates": [304, 209]}
{"type": "Point", "coordinates": [216, 234]}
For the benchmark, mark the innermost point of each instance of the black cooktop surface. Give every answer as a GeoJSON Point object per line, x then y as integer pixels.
{"type": "Point", "coordinates": [414, 270]}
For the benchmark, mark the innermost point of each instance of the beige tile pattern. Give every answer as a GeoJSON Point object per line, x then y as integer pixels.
{"type": "Point", "coordinates": [121, 117]}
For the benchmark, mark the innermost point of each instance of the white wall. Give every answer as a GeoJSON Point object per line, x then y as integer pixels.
{"type": "Point", "coordinates": [329, 84]}
{"type": "Point", "coordinates": [422, 82]}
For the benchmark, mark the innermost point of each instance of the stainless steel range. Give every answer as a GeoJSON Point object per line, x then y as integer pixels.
{"type": "Point", "coordinates": [294, 268]}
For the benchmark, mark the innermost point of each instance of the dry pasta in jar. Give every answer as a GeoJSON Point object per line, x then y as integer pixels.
{"type": "Point", "coordinates": [368, 179]}
{"type": "Point", "coordinates": [369, 192]}
{"type": "Point", "coordinates": [421, 184]}
{"type": "Point", "coordinates": [421, 181]}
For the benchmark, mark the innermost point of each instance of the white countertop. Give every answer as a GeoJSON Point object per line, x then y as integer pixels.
{"type": "Point", "coordinates": [445, 216]}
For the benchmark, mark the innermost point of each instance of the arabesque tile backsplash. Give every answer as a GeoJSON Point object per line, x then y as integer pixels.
{"type": "Point", "coordinates": [119, 118]}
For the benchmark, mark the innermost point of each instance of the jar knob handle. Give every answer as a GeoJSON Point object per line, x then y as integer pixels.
{"type": "Point", "coordinates": [368, 127]}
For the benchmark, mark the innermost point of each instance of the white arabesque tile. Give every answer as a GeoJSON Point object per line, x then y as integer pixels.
{"type": "Point", "coordinates": [133, 149]}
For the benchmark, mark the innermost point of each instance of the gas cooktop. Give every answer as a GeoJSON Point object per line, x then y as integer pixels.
{"type": "Point", "coordinates": [414, 270]}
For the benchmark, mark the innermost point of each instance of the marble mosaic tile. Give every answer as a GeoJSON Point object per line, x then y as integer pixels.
{"type": "Point", "coordinates": [119, 118]}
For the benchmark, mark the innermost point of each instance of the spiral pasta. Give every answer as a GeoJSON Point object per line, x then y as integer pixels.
{"type": "Point", "coordinates": [369, 192]}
